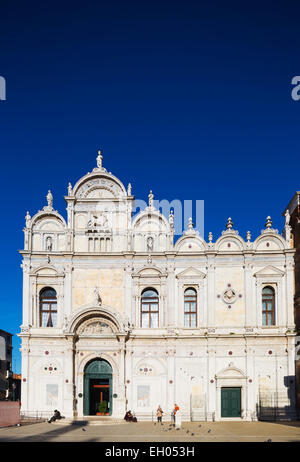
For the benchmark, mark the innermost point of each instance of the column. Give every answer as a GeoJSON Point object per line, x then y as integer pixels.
{"type": "Point", "coordinates": [68, 378]}
{"type": "Point", "coordinates": [211, 292]}
{"type": "Point", "coordinates": [248, 293]}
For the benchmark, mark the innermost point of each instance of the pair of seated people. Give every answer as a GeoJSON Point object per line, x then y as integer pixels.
{"type": "Point", "coordinates": [56, 415]}
{"type": "Point", "coordinates": [129, 417]}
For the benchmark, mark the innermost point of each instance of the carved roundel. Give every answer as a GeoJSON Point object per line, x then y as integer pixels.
{"type": "Point", "coordinates": [229, 296]}
{"type": "Point", "coordinates": [96, 326]}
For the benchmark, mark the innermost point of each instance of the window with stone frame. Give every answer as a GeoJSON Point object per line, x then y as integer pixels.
{"type": "Point", "coordinates": [149, 308]}
{"type": "Point", "coordinates": [190, 307]}
{"type": "Point", "coordinates": [268, 306]}
{"type": "Point", "coordinates": [48, 307]}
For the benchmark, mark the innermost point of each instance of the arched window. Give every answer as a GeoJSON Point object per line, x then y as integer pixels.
{"type": "Point", "coordinates": [268, 306]}
{"type": "Point", "coordinates": [149, 308]}
{"type": "Point", "coordinates": [48, 307]}
{"type": "Point", "coordinates": [190, 308]}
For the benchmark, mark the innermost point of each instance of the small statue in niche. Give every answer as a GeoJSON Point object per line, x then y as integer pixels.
{"type": "Point", "coordinates": [149, 243]}
{"type": "Point", "coordinates": [49, 243]}
{"type": "Point", "coordinates": [97, 298]}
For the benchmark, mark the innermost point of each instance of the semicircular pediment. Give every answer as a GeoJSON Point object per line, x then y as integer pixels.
{"type": "Point", "coordinates": [98, 186]}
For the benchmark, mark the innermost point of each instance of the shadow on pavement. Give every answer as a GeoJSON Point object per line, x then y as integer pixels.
{"type": "Point", "coordinates": [42, 435]}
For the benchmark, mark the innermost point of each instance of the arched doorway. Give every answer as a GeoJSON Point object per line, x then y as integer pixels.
{"type": "Point", "coordinates": [98, 388]}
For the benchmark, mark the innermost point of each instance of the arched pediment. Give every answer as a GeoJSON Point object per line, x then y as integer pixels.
{"type": "Point", "coordinates": [99, 185]}
{"type": "Point", "coordinates": [150, 221]}
{"type": "Point", "coordinates": [87, 319]}
{"type": "Point", "coordinates": [149, 272]}
{"type": "Point", "coordinates": [270, 241]}
{"type": "Point", "coordinates": [45, 270]}
{"type": "Point", "coordinates": [190, 243]}
{"type": "Point", "coordinates": [48, 221]}
{"type": "Point", "coordinates": [231, 372]}
{"type": "Point", "coordinates": [230, 242]}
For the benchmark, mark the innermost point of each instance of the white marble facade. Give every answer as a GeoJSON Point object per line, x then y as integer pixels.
{"type": "Point", "coordinates": [101, 260]}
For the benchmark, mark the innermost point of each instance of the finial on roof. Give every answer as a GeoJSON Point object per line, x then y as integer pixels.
{"type": "Point", "coordinates": [151, 196]}
{"type": "Point", "coordinates": [229, 223]}
{"type": "Point", "coordinates": [171, 218]}
{"type": "Point", "coordinates": [268, 223]}
{"type": "Point", "coordinates": [190, 223]}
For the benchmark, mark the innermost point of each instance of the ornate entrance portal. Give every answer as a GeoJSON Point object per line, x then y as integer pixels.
{"type": "Point", "coordinates": [98, 388]}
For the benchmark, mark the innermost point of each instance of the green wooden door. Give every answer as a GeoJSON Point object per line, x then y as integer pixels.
{"type": "Point", "coordinates": [97, 377]}
{"type": "Point", "coordinates": [231, 402]}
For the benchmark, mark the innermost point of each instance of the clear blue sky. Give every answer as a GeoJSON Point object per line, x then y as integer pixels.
{"type": "Point", "coordinates": [191, 99]}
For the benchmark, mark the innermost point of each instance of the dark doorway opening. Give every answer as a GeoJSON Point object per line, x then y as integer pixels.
{"type": "Point", "coordinates": [99, 396]}
{"type": "Point", "coordinates": [98, 386]}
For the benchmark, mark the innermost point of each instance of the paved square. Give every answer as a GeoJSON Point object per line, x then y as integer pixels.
{"type": "Point", "coordinates": [150, 432]}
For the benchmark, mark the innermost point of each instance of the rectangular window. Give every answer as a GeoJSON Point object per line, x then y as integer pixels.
{"type": "Point", "coordinates": [268, 306]}
{"type": "Point", "coordinates": [190, 308]}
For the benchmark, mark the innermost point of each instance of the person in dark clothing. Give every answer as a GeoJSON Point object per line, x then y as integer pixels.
{"type": "Point", "coordinates": [55, 416]}
{"type": "Point", "coordinates": [128, 416]}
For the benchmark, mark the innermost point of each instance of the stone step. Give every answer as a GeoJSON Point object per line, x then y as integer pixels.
{"type": "Point", "coordinates": [89, 421]}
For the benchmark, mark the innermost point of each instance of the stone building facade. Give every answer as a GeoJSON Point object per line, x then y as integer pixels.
{"type": "Point", "coordinates": [5, 364]}
{"type": "Point", "coordinates": [292, 218]}
{"type": "Point", "coordinates": [118, 316]}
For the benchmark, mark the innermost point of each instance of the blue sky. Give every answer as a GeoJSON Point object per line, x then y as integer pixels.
{"type": "Point", "coordinates": [190, 99]}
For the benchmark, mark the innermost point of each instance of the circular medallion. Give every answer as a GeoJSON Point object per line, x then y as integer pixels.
{"type": "Point", "coordinates": [229, 296]}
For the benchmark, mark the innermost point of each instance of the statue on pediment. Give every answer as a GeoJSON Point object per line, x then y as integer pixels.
{"type": "Point", "coordinates": [28, 220]}
{"type": "Point", "coordinates": [49, 198]}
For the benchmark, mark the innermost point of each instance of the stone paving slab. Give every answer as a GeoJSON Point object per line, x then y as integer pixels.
{"type": "Point", "coordinates": [149, 432]}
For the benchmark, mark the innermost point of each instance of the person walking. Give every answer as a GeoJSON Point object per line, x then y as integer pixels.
{"type": "Point", "coordinates": [159, 414]}
{"type": "Point", "coordinates": [176, 408]}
